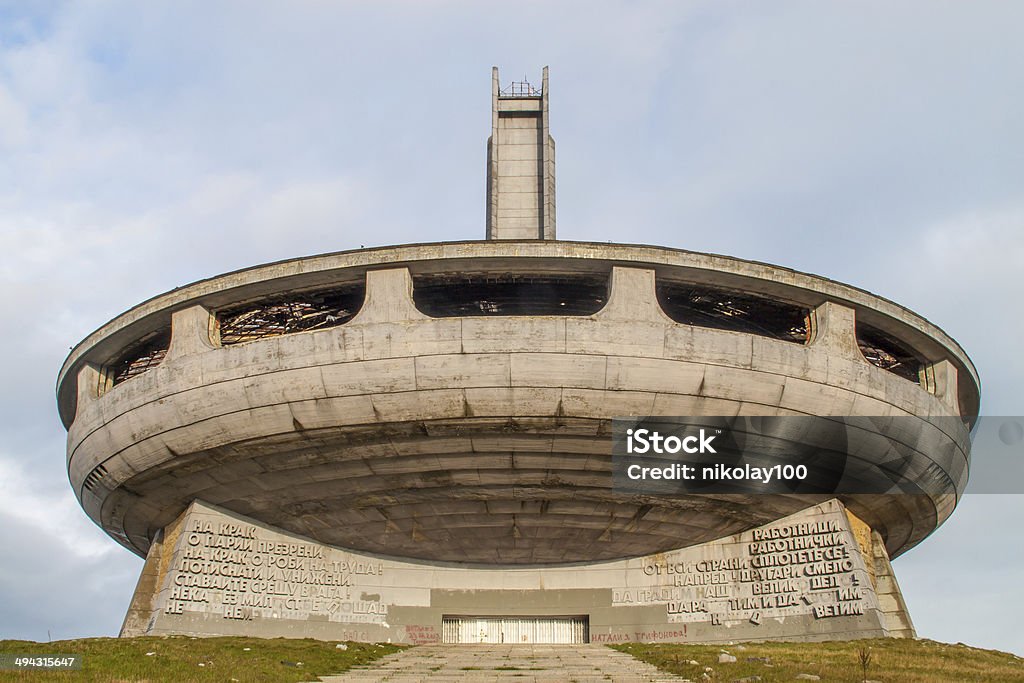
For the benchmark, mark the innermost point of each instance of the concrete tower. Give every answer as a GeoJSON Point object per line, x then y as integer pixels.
{"type": "Point", "coordinates": [520, 163]}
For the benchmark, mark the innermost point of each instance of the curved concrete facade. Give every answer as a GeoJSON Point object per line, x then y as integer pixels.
{"type": "Point", "coordinates": [414, 443]}
{"type": "Point", "coordinates": [481, 440]}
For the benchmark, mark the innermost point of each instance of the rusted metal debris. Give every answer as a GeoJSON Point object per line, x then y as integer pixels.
{"type": "Point", "coordinates": [289, 313]}
{"type": "Point", "coordinates": [145, 354]}
{"type": "Point", "coordinates": [888, 353]}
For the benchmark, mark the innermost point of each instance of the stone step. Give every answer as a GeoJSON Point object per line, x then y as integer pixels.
{"type": "Point", "coordinates": [524, 663]}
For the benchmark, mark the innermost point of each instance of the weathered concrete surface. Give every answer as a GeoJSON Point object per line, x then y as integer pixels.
{"type": "Point", "coordinates": [536, 663]}
{"type": "Point", "coordinates": [485, 440]}
{"type": "Point", "coordinates": [470, 439]}
{"type": "Point", "coordinates": [520, 165]}
{"type": "Point", "coordinates": [800, 578]}
{"type": "Point", "coordinates": [503, 256]}
{"type": "Point", "coordinates": [890, 597]}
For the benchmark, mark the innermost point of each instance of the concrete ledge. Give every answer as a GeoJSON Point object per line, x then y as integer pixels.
{"type": "Point", "coordinates": [191, 332]}
{"type": "Point", "coordinates": [388, 298]}
{"type": "Point", "coordinates": [834, 327]}
{"type": "Point", "coordinates": [545, 255]}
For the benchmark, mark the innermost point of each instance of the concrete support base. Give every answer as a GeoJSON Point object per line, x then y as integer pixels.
{"type": "Point", "coordinates": [820, 574]}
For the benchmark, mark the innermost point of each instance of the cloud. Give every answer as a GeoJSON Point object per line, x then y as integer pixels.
{"type": "Point", "coordinates": [969, 282]}
{"type": "Point", "coordinates": [954, 583]}
{"type": "Point", "coordinates": [51, 589]}
{"type": "Point", "coordinates": [60, 577]}
{"type": "Point", "coordinates": [25, 504]}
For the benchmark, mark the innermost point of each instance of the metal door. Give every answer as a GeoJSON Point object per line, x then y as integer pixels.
{"type": "Point", "coordinates": [511, 630]}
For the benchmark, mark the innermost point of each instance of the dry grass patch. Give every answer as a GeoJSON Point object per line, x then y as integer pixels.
{"type": "Point", "coordinates": [905, 661]}
{"type": "Point", "coordinates": [184, 659]}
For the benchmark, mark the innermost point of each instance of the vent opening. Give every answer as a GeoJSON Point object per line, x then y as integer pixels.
{"type": "Point", "coordinates": [94, 477]}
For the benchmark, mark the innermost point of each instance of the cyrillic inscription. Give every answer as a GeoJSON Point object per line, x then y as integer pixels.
{"type": "Point", "coordinates": [241, 573]}
{"type": "Point", "coordinates": [805, 567]}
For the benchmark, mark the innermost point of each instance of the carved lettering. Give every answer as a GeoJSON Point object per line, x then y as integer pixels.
{"type": "Point", "coordinates": [843, 609]}
{"type": "Point", "coordinates": [242, 572]}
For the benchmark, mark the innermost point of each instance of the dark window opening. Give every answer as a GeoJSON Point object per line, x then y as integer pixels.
{"type": "Point", "coordinates": [145, 354]}
{"type": "Point", "coordinates": [888, 353]}
{"type": "Point", "coordinates": [289, 313]}
{"type": "Point", "coordinates": [457, 296]}
{"type": "Point", "coordinates": [723, 309]}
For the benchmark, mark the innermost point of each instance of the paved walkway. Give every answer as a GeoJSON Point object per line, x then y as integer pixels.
{"type": "Point", "coordinates": [525, 663]}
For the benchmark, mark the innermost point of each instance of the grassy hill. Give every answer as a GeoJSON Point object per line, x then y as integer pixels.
{"type": "Point", "coordinates": [246, 660]}
{"type": "Point", "coordinates": [902, 661]}
{"type": "Point", "coordinates": [186, 659]}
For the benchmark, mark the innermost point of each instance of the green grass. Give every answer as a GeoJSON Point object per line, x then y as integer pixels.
{"type": "Point", "coordinates": [905, 661]}
{"type": "Point", "coordinates": [178, 658]}
{"type": "Point", "coordinates": [117, 660]}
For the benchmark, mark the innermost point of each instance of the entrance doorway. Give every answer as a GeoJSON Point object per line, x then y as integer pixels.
{"type": "Point", "coordinates": [515, 630]}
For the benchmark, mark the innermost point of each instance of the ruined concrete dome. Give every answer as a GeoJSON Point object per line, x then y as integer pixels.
{"type": "Point", "coordinates": [452, 402]}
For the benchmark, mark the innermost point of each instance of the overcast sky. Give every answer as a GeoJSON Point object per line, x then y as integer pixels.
{"type": "Point", "coordinates": [144, 145]}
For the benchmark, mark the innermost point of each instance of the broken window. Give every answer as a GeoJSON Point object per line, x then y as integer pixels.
{"type": "Point", "coordinates": [888, 353]}
{"type": "Point", "coordinates": [723, 309]}
{"type": "Point", "coordinates": [141, 356]}
{"type": "Point", "coordinates": [289, 313]}
{"type": "Point", "coordinates": [444, 296]}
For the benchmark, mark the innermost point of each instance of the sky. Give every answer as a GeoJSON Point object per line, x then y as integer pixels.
{"type": "Point", "coordinates": [147, 145]}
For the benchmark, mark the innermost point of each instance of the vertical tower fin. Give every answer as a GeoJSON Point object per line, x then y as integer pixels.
{"type": "Point", "coordinates": [520, 163]}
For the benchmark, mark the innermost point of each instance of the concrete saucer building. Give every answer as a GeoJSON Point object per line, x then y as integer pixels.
{"type": "Point", "coordinates": [411, 443]}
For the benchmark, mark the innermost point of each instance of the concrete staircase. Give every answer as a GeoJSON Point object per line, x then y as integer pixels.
{"type": "Point", "coordinates": [524, 663]}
